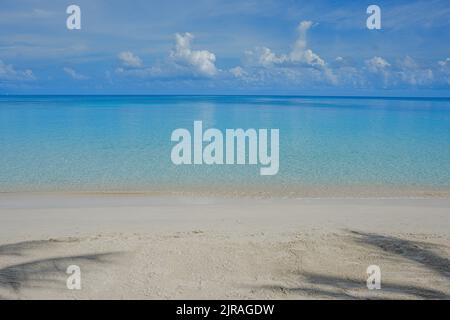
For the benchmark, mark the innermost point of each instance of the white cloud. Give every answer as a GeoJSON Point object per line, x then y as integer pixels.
{"type": "Point", "coordinates": [444, 63]}
{"type": "Point", "coordinates": [341, 62]}
{"type": "Point", "coordinates": [182, 62]}
{"type": "Point", "coordinates": [148, 72]}
{"type": "Point", "coordinates": [411, 73]}
{"type": "Point", "coordinates": [380, 68]}
{"type": "Point", "coordinates": [130, 60]}
{"type": "Point", "coordinates": [300, 56]}
{"type": "Point", "coordinates": [265, 57]}
{"type": "Point", "coordinates": [202, 61]}
{"type": "Point", "coordinates": [377, 65]}
{"type": "Point", "coordinates": [445, 69]}
{"type": "Point", "coordinates": [300, 67]}
{"type": "Point", "coordinates": [405, 71]}
{"type": "Point", "coordinates": [409, 63]}
{"type": "Point", "coordinates": [73, 74]}
{"type": "Point", "coordinates": [300, 53]}
{"type": "Point", "coordinates": [238, 72]}
{"type": "Point", "coordinates": [8, 72]}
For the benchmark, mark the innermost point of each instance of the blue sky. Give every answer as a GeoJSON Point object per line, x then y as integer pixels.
{"type": "Point", "coordinates": [225, 47]}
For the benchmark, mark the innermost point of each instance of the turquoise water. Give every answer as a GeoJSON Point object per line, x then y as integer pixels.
{"type": "Point", "coordinates": [122, 143]}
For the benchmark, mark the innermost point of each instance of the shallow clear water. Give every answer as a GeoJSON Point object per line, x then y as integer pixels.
{"type": "Point", "coordinates": [122, 143]}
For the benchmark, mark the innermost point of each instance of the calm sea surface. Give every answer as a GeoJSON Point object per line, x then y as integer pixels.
{"type": "Point", "coordinates": [122, 143]}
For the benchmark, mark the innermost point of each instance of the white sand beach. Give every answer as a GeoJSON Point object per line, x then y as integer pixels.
{"type": "Point", "coordinates": [148, 247]}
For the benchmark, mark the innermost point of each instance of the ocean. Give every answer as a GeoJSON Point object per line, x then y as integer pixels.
{"type": "Point", "coordinates": [122, 143]}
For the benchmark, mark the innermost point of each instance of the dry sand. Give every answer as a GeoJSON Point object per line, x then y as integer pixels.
{"type": "Point", "coordinates": [142, 247]}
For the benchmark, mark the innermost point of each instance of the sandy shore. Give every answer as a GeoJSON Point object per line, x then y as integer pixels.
{"type": "Point", "coordinates": [192, 247]}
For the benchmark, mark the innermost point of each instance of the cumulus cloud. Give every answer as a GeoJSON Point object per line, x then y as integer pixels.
{"type": "Point", "coordinates": [299, 57]}
{"type": "Point", "coordinates": [404, 72]}
{"type": "Point", "coordinates": [300, 54]}
{"type": "Point", "coordinates": [444, 63]}
{"type": "Point", "coordinates": [300, 67]}
{"type": "Point", "coordinates": [238, 72]}
{"type": "Point", "coordinates": [73, 74]}
{"type": "Point", "coordinates": [410, 72]}
{"type": "Point", "coordinates": [202, 61]}
{"type": "Point", "coordinates": [377, 65]}
{"type": "Point", "coordinates": [182, 62]}
{"type": "Point", "coordinates": [265, 57]}
{"type": "Point", "coordinates": [128, 59]}
{"type": "Point", "coordinates": [445, 69]}
{"type": "Point", "coordinates": [9, 73]}
{"type": "Point", "coordinates": [380, 68]}
{"type": "Point", "coordinates": [341, 62]}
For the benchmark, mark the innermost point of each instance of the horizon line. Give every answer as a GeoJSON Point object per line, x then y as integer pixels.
{"type": "Point", "coordinates": [227, 95]}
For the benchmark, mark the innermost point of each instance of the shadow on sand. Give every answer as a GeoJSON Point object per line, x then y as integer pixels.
{"type": "Point", "coordinates": [41, 273]}
{"type": "Point", "coordinates": [19, 249]}
{"type": "Point", "coordinates": [332, 287]}
{"type": "Point", "coordinates": [421, 253]}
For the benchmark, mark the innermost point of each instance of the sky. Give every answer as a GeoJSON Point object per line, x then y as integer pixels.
{"type": "Point", "coordinates": [320, 47]}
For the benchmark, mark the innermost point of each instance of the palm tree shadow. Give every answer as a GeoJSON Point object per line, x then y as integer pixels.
{"type": "Point", "coordinates": [418, 252]}
{"type": "Point", "coordinates": [19, 249]}
{"type": "Point", "coordinates": [328, 286]}
{"type": "Point", "coordinates": [45, 273]}
{"type": "Point", "coordinates": [314, 284]}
